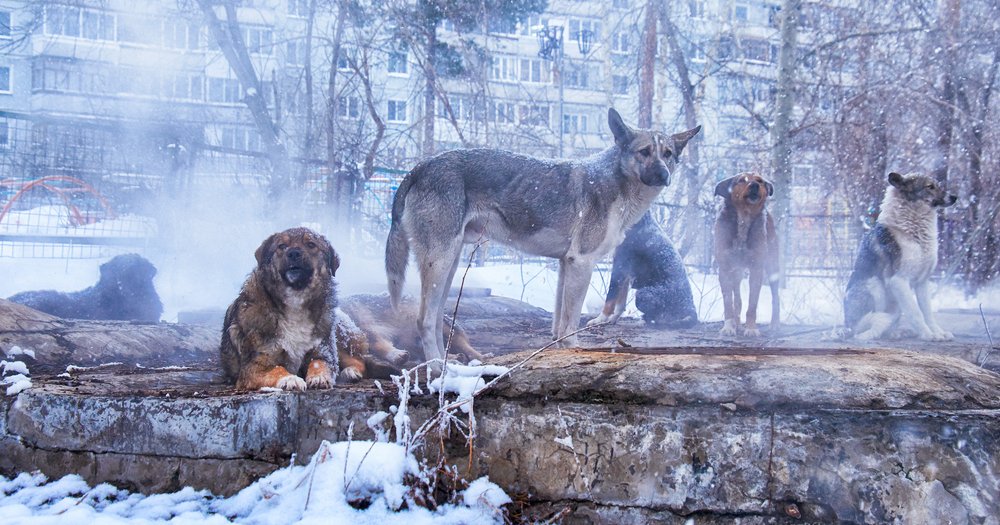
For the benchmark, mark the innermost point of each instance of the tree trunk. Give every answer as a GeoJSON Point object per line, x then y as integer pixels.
{"type": "Point", "coordinates": [429, 89]}
{"type": "Point", "coordinates": [781, 165]}
{"type": "Point", "coordinates": [693, 227]}
{"type": "Point", "coordinates": [307, 141]}
{"type": "Point", "coordinates": [230, 40]}
{"type": "Point", "coordinates": [338, 190]}
{"type": "Point", "coordinates": [949, 17]}
{"type": "Point", "coordinates": [647, 63]}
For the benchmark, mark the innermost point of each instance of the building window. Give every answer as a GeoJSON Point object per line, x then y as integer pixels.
{"type": "Point", "coordinates": [98, 25]}
{"type": "Point", "coordinates": [397, 111]}
{"type": "Point", "coordinates": [535, 70]}
{"type": "Point", "coordinates": [741, 12]}
{"type": "Point", "coordinates": [344, 59]}
{"type": "Point", "coordinates": [4, 133]}
{"type": "Point", "coordinates": [298, 8]}
{"type": "Point", "coordinates": [258, 39]}
{"type": "Point", "coordinates": [533, 115]}
{"type": "Point", "coordinates": [502, 26]}
{"type": "Point", "coordinates": [757, 50]}
{"type": "Point", "coordinates": [504, 69]}
{"type": "Point", "coordinates": [696, 8]}
{"type": "Point", "coordinates": [620, 42]}
{"type": "Point", "coordinates": [5, 79]}
{"type": "Point", "coordinates": [574, 123]}
{"type": "Point", "coordinates": [594, 26]}
{"type": "Point", "coordinates": [580, 75]}
{"type": "Point", "coordinates": [349, 107]}
{"type": "Point", "coordinates": [620, 4]}
{"type": "Point", "coordinates": [502, 112]}
{"type": "Point", "coordinates": [62, 20]}
{"type": "Point", "coordinates": [619, 85]}
{"type": "Point", "coordinates": [179, 34]}
{"type": "Point", "coordinates": [295, 53]}
{"type": "Point", "coordinates": [397, 62]}
{"type": "Point", "coordinates": [4, 24]}
{"type": "Point", "coordinates": [240, 138]}
{"type": "Point", "coordinates": [224, 90]}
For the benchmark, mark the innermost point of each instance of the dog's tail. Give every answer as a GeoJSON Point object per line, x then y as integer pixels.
{"type": "Point", "coordinates": [397, 246]}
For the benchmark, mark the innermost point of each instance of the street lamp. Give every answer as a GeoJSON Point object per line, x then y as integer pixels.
{"type": "Point", "coordinates": [550, 47]}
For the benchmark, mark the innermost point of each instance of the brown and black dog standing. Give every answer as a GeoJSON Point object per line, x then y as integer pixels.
{"type": "Point", "coordinates": [279, 329]}
{"type": "Point", "coordinates": [746, 241]}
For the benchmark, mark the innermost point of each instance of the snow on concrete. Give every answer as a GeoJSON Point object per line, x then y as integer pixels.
{"type": "Point", "coordinates": [320, 493]}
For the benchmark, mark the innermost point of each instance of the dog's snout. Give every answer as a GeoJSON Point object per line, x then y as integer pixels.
{"type": "Point", "coordinates": [952, 199]}
{"type": "Point", "coordinates": [295, 254]}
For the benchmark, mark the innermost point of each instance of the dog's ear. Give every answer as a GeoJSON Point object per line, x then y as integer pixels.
{"type": "Point", "coordinates": [681, 139]}
{"type": "Point", "coordinates": [770, 188]}
{"type": "Point", "coordinates": [622, 132]}
{"type": "Point", "coordinates": [107, 273]}
{"type": "Point", "coordinates": [895, 179]}
{"type": "Point", "coordinates": [725, 187]}
{"type": "Point", "coordinates": [332, 260]}
{"type": "Point", "coordinates": [265, 251]}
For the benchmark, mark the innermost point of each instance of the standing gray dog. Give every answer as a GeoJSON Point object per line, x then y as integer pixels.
{"type": "Point", "coordinates": [576, 211]}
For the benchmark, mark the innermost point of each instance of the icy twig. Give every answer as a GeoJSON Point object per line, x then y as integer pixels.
{"type": "Point", "coordinates": [445, 411]}
{"type": "Point", "coordinates": [454, 315]}
{"type": "Point", "coordinates": [982, 362]}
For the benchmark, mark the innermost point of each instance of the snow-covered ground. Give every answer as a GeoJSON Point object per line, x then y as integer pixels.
{"type": "Point", "coordinates": [319, 493]}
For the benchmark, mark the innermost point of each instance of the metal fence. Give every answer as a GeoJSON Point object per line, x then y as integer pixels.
{"type": "Point", "coordinates": [77, 189]}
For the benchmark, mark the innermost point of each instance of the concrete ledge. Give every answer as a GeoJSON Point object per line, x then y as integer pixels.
{"type": "Point", "coordinates": [648, 436]}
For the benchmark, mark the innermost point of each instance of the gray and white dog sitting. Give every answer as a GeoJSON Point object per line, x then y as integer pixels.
{"type": "Point", "coordinates": [125, 292]}
{"type": "Point", "coordinates": [576, 211]}
{"type": "Point", "coordinates": [895, 261]}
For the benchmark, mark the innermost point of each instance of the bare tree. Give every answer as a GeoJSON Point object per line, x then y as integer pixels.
{"type": "Point", "coordinates": [229, 36]}
{"type": "Point", "coordinates": [781, 166]}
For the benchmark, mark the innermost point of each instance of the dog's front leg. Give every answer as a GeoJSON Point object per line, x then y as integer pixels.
{"type": "Point", "coordinates": [614, 306]}
{"type": "Point", "coordinates": [756, 280]}
{"type": "Point", "coordinates": [905, 297]}
{"type": "Point", "coordinates": [730, 302]}
{"type": "Point", "coordinates": [264, 372]}
{"type": "Point", "coordinates": [557, 309]}
{"type": "Point", "coordinates": [575, 278]}
{"type": "Point", "coordinates": [924, 302]}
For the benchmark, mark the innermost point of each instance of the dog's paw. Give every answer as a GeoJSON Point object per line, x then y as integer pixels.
{"type": "Point", "coordinates": [396, 355]}
{"type": "Point", "coordinates": [751, 331]}
{"type": "Point", "coordinates": [728, 328]}
{"type": "Point", "coordinates": [349, 375]}
{"type": "Point", "coordinates": [601, 319]}
{"type": "Point", "coordinates": [291, 382]}
{"type": "Point", "coordinates": [936, 336]}
{"type": "Point", "coordinates": [319, 381]}
{"type": "Point", "coordinates": [867, 335]}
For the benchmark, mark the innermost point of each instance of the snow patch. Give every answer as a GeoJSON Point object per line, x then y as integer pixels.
{"type": "Point", "coordinates": [17, 350]}
{"type": "Point", "coordinates": [320, 492]}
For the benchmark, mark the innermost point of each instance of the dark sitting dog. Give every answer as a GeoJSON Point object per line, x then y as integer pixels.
{"type": "Point", "coordinates": [648, 262]}
{"type": "Point", "coordinates": [280, 328]}
{"type": "Point", "coordinates": [125, 292]}
{"type": "Point", "coordinates": [746, 242]}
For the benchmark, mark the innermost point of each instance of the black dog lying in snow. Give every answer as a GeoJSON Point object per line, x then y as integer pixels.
{"type": "Point", "coordinates": [648, 262]}
{"type": "Point", "coordinates": [125, 292]}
